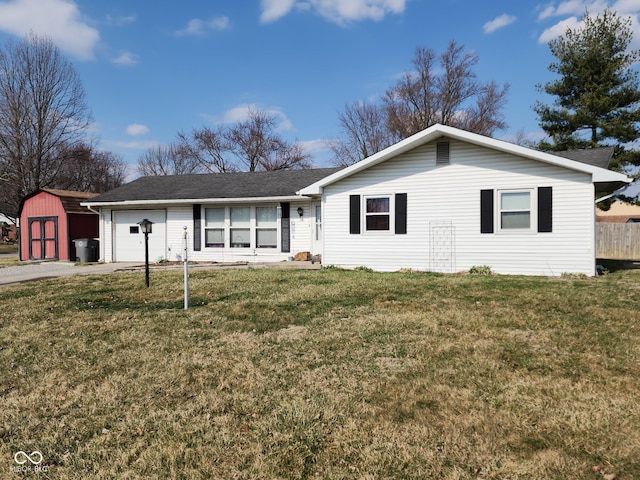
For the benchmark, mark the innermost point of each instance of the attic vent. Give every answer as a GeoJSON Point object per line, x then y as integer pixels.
{"type": "Point", "coordinates": [442, 153]}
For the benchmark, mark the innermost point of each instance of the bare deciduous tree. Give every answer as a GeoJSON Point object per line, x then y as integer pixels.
{"type": "Point", "coordinates": [445, 90]}
{"type": "Point", "coordinates": [365, 132]}
{"type": "Point", "coordinates": [172, 159]}
{"type": "Point", "coordinates": [92, 170]}
{"type": "Point", "coordinates": [249, 145]}
{"type": "Point", "coordinates": [43, 116]}
{"type": "Point", "coordinates": [257, 146]}
{"type": "Point", "coordinates": [440, 89]}
{"type": "Point", "coordinates": [211, 148]}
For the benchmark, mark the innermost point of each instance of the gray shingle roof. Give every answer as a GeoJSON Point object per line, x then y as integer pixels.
{"type": "Point", "coordinates": [598, 157]}
{"type": "Point", "coordinates": [279, 183]}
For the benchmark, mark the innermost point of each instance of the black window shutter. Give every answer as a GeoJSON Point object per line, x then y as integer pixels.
{"type": "Point", "coordinates": [197, 227]}
{"type": "Point", "coordinates": [545, 209]}
{"type": "Point", "coordinates": [486, 211]}
{"type": "Point", "coordinates": [354, 214]}
{"type": "Point", "coordinates": [285, 228]}
{"type": "Point", "coordinates": [401, 213]}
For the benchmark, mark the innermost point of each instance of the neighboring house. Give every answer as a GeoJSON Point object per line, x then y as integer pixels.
{"type": "Point", "coordinates": [619, 212]}
{"type": "Point", "coordinates": [598, 157]}
{"type": "Point", "coordinates": [441, 200]}
{"type": "Point", "coordinates": [9, 229]}
{"type": "Point", "coordinates": [49, 222]}
{"type": "Point", "coordinates": [248, 216]}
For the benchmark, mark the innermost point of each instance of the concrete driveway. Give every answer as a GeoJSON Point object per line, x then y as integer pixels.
{"type": "Point", "coordinates": [37, 271]}
{"type": "Point", "coordinates": [28, 272]}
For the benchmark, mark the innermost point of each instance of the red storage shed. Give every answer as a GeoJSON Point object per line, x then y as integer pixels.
{"type": "Point", "coordinates": [49, 222]}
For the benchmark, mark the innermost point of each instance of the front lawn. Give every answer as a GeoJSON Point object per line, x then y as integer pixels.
{"type": "Point", "coordinates": [322, 374]}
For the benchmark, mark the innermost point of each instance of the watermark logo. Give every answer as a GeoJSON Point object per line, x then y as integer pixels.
{"type": "Point", "coordinates": [22, 457]}
{"type": "Point", "coordinates": [29, 462]}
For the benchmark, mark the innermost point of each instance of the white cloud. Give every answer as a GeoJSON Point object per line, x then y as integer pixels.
{"type": "Point", "coordinates": [572, 7]}
{"type": "Point", "coordinates": [315, 146]}
{"type": "Point", "coordinates": [137, 129]}
{"type": "Point", "coordinates": [498, 23]}
{"type": "Point", "coordinates": [272, 10]}
{"type": "Point", "coordinates": [237, 114]}
{"type": "Point", "coordinates": [119, 21]}
{"type": "Point", "coordinates": [338, 11]}
{"type": "Point", "coordinates": [573, 10]}
{"type": "Point", "coordinates": [240, 113]}
{"type": "Point", "coordinates": [199, 27]}
{"type": "Point", "coordinates": [626, 6]}
{"type": "Point", "coordinates": [60, 20]}
{"type": "Point", "coordinates": [558, 29]}
{"type": "Point", "coordinates": [126, 58]}
{"type": "Point", "coordinates": [133, 145]}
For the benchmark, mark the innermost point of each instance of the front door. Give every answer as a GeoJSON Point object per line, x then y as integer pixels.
{"type": "Point", "coordinates": [43, 238]}
{"type": "Point", "coordinates": [316, 234]}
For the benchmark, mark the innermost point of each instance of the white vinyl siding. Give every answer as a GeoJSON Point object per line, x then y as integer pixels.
{"type": "Point", "coordinates": [106, 236]}
{"type": "Point", "coordinates": [443, 215]}
{"type": "Point", "coordinates": [178, 217]}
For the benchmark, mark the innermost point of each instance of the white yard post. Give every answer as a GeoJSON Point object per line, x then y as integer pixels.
{"type": "Point", "coordinates": [186, 270]}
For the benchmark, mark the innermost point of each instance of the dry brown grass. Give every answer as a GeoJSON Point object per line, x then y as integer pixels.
{"type": "Point", "coordinates": [324, 374]}
{"type": "Point", "coordinates": [8, 248]}
{"type": "Point", "coordinates": [9, 261]}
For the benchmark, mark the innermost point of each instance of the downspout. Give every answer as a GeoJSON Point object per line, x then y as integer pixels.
{"type": "Point", "coordinates": [100, 232]}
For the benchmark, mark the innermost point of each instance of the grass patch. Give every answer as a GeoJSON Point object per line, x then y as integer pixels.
{"type": "Point", "coordinates": [9, 262]}
{"type": "Point", "coordinates": [6, 248]}
{"type": "Point", "coordinates": [323, 374]}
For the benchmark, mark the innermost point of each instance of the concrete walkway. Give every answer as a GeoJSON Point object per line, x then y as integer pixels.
{"type": "Point", "coordinates": [29, 272]}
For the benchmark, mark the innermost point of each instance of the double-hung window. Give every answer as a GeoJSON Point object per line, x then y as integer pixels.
{"type": "Point", "coordinates": [521, 210]}
{"type": "Point", "coordinates": [515, 209]}
{"type": "Point", "coordinates": [214, 227]}
{"type": "Point", "coordinates": [377, 213]}
{"type": "Point", "coordinates": [266, 227]}
{"type": "Point", "coordinates": [240, 227]}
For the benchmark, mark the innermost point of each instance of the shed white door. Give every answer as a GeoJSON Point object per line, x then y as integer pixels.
{"type": "Point", "coordinates": [129, 239]}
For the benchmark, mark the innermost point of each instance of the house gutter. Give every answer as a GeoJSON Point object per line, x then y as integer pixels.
{"type": "Point", "coordinates": [190, 201]}
{"type": "Point", "coordinates": [607, 197]}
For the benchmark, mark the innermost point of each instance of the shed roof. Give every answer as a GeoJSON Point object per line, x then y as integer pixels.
{"type": "Point", "coordinates": [70, 200]}
{"type": "Point", "coordinates": [201, 187]}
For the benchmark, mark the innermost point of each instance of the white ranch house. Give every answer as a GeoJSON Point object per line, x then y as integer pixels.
{"type": "Point", "coordinates": [441, 200]}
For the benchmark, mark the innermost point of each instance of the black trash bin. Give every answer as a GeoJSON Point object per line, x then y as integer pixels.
{"type": "Point", "coordinates": [86, 249]}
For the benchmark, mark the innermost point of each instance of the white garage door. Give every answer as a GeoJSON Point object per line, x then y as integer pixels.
{"type": "Point", "coordinates": [129, 239]}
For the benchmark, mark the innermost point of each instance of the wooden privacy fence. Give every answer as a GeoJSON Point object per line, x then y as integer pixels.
{"type": "Point", "coordinates": [618, 241]}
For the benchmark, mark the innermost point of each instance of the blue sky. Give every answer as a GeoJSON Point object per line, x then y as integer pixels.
{"type": "Point", "coordinates": [151, 69]}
